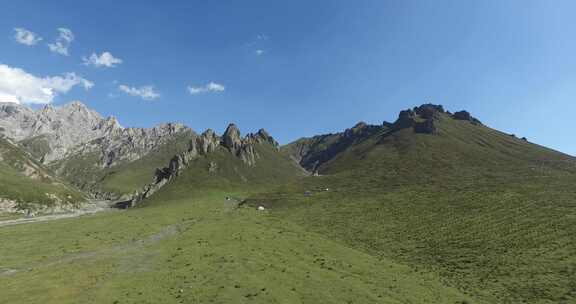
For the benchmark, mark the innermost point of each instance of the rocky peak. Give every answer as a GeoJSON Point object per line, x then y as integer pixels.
{"type": "Point", "coordinates": [359, 126]}
{"type": "Point", "coordinates": [132, 143]}
{"type": "Point", "coordinates": [48, 110]}
{"type": "Point", "coordinates": [75, 106]}
{"type": "Point", "coordinates": [231, 138]}
{"type": "Point", "coordinates": [360, 129]}
{"type": "Point", "coordinates": [109, 125]}
{"type": "Point", "coordinates": [462, 115]}
{"type": "Point", "coordinates": [209, 133]}
{"type": "Point", "coordinates": [60, 127]}
{"type": "Point", "coordinates": [166, 129]}
{"type": "Point", "coordinates": [429, 110]}
{"type": "Point", "coordinates": [244, 148]}
{"type": "Point", "coordinates": [406, 119]}
{"type": "Point", "coordinates": [74, 128]}
{"type": "Point", "coordinates": [263, 136]}
{"type": "Point", "coordinates": [421, 119]}
{"type": "Point", "coordinates": [208, 141]}
{"type": "Point", "coordinates": [465, 115]}
{"type": "Point", "coordinates": [79, 112]}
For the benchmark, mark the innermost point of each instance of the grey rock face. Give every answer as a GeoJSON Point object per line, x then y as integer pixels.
{"type": "Point", "coordinates": [244, 147]}
{"type": "Point", "coordinates": [248, 155]}
{"type": "Point", "coordinates": [132, 143]}
{"type": "Point", "coordinates": [429, 110]}
{"type": "Point", "coordinates": [263, 136]}
{"type": "Point", "coordinates": [406, 119]}
{"type": "Point", "coordinates": [231, 138]}
{"type": "Point", "coordinates": [421, 119]}
{"type": "Point", "coordinates": [462, 115]}
{"type": "Point", "coordinates": [74, 128]}
{"type": "Point", "coordinates": [208, 142]}
{"type": "Point", "coordinates": [62, 127]}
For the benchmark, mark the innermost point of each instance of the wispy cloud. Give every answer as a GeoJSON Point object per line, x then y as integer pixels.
{"type": "Point", "coordinates": [26, 37]}
{"type": "Point", "coordinates": [18, 86]}
{"type": "Point", "coordinates": [105, 59]}
{"type": "Point", "coordinates": [210, 87]}
{"type": "Point", "coordinates": [62, 42]}
{"type": "Point", "coordinates": [258, 44]}
{"type": "Point", "coordinates": [144, 92]}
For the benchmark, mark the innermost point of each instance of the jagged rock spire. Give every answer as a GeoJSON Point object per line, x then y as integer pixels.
{"type": "Point", "coordinates": [266, 137]}
{"type": "Point", "coordinates": [208, 141]}
{"type": "Point", "coordinates": [231, 138]}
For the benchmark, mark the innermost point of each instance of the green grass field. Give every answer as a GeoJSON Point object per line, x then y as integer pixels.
{"type": "Point", "coordinates": [198, 249]}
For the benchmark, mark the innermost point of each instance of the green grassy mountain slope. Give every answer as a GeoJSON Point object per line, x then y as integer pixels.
{"type": "Point", "coordinates": [228, 162]}
{"type": "Point", "coordinates": [311, 152]}
{"type": "Point", "coordinates": [491, 214]}
{"type": "Point", "coordinates": [188, 244]}
{"type": "Point", "coordinates": [221, 169]}
{"type": "Point", "coordinates": [28, 183]}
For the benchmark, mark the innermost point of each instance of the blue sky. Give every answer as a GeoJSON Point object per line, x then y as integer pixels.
{"type": "Point", "coordinates": [300, 68]}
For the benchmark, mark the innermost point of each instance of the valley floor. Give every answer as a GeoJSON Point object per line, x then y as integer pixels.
{"type": "Point", "coordinates": [90, 208]}
{"type": "Point", "coordinates": [198, 250]}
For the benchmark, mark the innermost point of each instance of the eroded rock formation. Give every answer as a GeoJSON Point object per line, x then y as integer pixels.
{"type": "Point", "coordinates": [204, 145]}
{"type": "Point", "coordinates": [55, 133]}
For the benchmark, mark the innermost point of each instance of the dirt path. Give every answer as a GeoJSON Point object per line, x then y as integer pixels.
{"type": "Point", "coordinates": [91, 208]}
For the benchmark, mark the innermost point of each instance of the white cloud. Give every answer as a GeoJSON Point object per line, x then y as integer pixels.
{"type": "Point", "coordinates": [258, 45]}
{"type": "Point", "coordinates": [144, 92]}
{"type": "Point", "coordinates": [18, 86]}
{"type": "Point", "coordinates": [210, 87]}
{"type": "Point", "coordinates": [104, 60]}
{"type": "Point", "coordinates": [62, 43]}
{"type": "Point", "coordinates": [26, 37]}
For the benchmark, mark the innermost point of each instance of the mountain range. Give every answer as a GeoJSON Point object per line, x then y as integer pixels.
{"type": "Point", "coordinates": [476, 214]}
{"type": "Point", "coordinates": [102, 159]}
